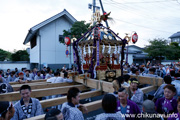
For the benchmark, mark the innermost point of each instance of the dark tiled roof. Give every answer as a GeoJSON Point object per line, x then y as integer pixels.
{"type": "Point", "coordinates": [175, 35]}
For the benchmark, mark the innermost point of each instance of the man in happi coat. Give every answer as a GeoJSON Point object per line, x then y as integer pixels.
{"type": "Point", "coordinates": [27, 107]}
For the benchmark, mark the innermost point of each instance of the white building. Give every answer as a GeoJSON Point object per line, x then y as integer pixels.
{"type": "Point", "coordinates": [44, 38]}
{"type": "Point", "coordinates": [136, 55]}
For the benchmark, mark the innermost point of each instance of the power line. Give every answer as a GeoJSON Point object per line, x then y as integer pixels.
{"type": "Point", "coordinates": [142, 2]}
{"type": "Point", "coordinates": [142, 15]}
{"type": "Point", "coordinates": [178, 2]}
{"type": "Point", "coordinates": [142, 26]}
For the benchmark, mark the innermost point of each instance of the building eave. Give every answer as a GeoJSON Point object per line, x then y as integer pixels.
{"type": "Point", "coordinates": [35, 28]}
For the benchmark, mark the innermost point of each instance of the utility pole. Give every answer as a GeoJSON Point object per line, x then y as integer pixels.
{"type": "Point", "coordinates": [94, 6]}
{"type": "Point", "coordinates": [103, 12]}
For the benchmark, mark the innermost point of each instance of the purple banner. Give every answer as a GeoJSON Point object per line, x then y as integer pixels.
{"type": "Point", "coordinates": [74, 56]}
{"type": "Point", "coordinates": [97, 52]}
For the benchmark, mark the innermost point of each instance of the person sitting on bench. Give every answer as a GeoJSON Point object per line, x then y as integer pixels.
{"type": "Point", "coordinates": [27, 107]}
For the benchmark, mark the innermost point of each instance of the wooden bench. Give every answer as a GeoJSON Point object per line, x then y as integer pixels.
{"type": "Point", "coordinates": [41, 85]}
{"type": "Point", "coordinates": [13, 96]}
{"type": "Point", "coordinates": [32, 81]}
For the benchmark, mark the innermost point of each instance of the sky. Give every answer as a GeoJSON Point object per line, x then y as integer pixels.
{"type": "Point", "coordinates": [149, 18]}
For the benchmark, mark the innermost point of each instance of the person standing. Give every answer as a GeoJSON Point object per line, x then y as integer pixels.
{"type": "Point", "coordinates": [109, 104]}
{"type": "Point", "coordinates": [135, 94]}
{"type": "Point", "coordinates": [126, 106]}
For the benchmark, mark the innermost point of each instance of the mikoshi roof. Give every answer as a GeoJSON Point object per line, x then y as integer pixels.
{"type": "Point", "coordinates": [107, 37]}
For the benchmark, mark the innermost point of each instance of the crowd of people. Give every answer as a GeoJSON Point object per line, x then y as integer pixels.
{"type": "Point", "coordinates": [25, 75]}
{"type": "Point", "coordinates": [126, 102]}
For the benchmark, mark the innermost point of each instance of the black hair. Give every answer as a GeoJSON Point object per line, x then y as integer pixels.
{"type": "Point", "coordinates": [56, 73]}
{"type": "Point", "coordinates": [13, 72]}
{"type": "Point", "coordinates": [65, 74]}
{"type": "Point", "coordinates": [133, 79]}
{"type": "Point", "coordinates": [172, 72]}
{"type": "Point", "coordinates": [51, 114]}
{"type": "Point", "coordinates": [109, 103]}
{"type": "Point", "coordinates": [72, 93]}
{"type": "Point", "coordinates": [23, 87]}
{"type": "Point", "coordinates": [152, 69]}
{"type": "Point", "coordinates": [167, 79]}
{"type": "Point", "coordinates": [120, 80]}
{"type": "Point", "coordinates": [170, 87]}
{"type": "Point", "coordinates": [28, 71]}
{"type": "Point", "coordinates": [121, 89]}
{"type": "Point", "coordinates": [141, 69]}
{"type": "Point", "coordinates": [126, 77]}
{"type": "Point", "coordinates": [42, 72]}
{"type": "Point", "coordinates": [178, 100]}
{"type": "Point", "coordinates": [134, 70]}
{"type": "Point", "coordinates": [177, 75]}
{"type": "Point", "coordinates": [3, 108]}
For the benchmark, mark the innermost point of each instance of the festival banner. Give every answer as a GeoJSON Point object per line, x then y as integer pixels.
{"type": "Point", "coordinates": [97, 52]}
{"type": "Point", "coordinates": [74, 56]}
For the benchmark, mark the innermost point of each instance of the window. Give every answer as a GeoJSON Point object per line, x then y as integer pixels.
{"type": "Point", "coordinates": [33, 42]}
{"type": "Point", "coordinates": [61, 38]}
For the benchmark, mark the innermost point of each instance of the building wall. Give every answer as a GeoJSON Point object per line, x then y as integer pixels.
{"type": "Point", "coordinates": [34, 52]}
{"type": "Point", "coordinates": [130, 58]}
{"type": "Point", "coordinates": [12, 65]}
{"type": "Point", "coordinates": [175, 40]}
{"type": "Point", "coordinates": [52, 51]}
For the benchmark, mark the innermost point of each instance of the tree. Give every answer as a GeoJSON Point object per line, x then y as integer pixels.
{"type": "Point", "coordinates": [173, 51]}
{"type": "Point", "coordinates": [157, 48]}
{"type": "Point", "coordinates": [77, 29]}
{"type": "Point", "coordinates": [4, 55]}
{"type": "Point", "coordinates": [20, 55]}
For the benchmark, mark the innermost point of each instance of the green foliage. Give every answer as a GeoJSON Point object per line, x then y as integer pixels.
{"type": "Point", "coordinates": [4, 55]}
{"type": "Point", "coordinates": [175, 44]}
{"type": "Point", "coordinates": [77, 29]}
{"type": "Point", "coordinates": [173, 51]}
{"type": "Point", "coordinates": [20, 55]}
{"type": "Point", "coordinates": [159, 47]}
{"type": "Point", "coordinates": [156, 48]}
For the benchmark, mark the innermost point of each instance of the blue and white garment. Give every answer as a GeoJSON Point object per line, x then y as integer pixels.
{"type": "Point", "coordinates": [110, 116]}
{"type": "Point", "coordinates": [49, 76]}
{"type": "Point", "coordinates": [17, 79]}
{"type": "Point", "coordinates": [71, 112]}
{"type": "Point", "coordinates": [138, 98]}
{"type": "Point", "coordinates": [177, 86]}
{"type": "Point", "coordinates": [59, 80]}
{"type": "Point", "coordinates": [38, 77]}
{"type": "Point", "coordinates": [28, 77]}
{"type": "Point", "coordinates": [33, 109]}
{"type": "Point", "coordinates": [160, 91]}
{"type": "Point", "coordinates": [11, 78]}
